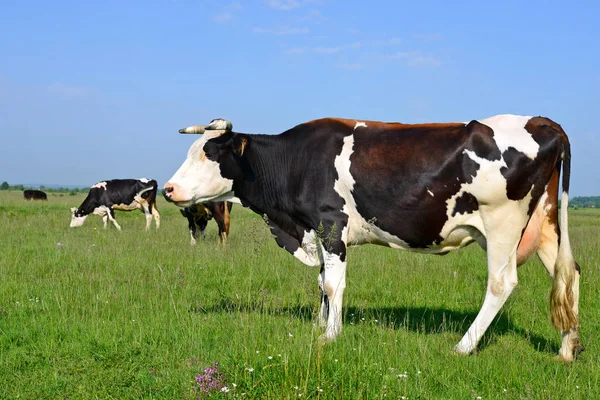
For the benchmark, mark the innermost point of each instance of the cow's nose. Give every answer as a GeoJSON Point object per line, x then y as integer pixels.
{"type": "Point", "coordinates": [167, 190]}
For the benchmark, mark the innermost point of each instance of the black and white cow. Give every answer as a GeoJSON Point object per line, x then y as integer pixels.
{"type": "Point", "coordinates": [119, 194]}
{"type": "Point", "coordinates": [31, 194]}
{"type": "Point", "coordinates": [428, 188]}
{"type": "Point", "coordinates": [198, 216]}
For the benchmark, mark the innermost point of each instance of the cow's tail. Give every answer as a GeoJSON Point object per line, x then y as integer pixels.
{"type": "Point", "coordinates": [565, 284]}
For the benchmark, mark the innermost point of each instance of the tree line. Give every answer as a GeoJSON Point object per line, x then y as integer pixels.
{"type": "Point", "coordinates": [72, 191]}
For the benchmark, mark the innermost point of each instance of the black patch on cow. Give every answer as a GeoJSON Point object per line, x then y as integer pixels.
{"type": "Point", "coordinates": [277, 176]}
{"type": "Point", "coordinates": [465, 204]}
{"type": "Point", "coordinates": [518, 173]}
{"type": "Point", "coordinates": [482, 141]}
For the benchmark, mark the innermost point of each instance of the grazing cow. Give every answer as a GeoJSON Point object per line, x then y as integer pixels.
{"type": "Point", "coordinates": [34, 195]}
{"type": "Point", "coordinates": [198, 216]}
{"type": "Point", "coordinates": [118, 194]}
{"type": "Point", "coordinates": [428, 188]}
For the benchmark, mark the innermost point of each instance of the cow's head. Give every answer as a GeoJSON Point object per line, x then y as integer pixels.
{"type": "Point", "coordinates": [77, 218]}
{"type": "Point", "coordinates": [212, 164]}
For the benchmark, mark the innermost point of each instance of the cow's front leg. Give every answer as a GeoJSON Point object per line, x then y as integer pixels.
{"type": "Point", "coordinates": [324, 309]}
{"type": "Point", "coordinates": [332, 282]}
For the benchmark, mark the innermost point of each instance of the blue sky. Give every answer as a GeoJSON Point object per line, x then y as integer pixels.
{"type": "Point", "coordinates": [97, 90]}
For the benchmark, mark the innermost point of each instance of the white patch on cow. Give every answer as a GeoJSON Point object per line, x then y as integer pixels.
{"type": "Point", "coordinates": [99, 185]}
{"type": "Point", "coordinates": [101, 211]}
{"type": "Point", "coordinates": [199, 179]}
{"type": "Point", "coordinates": [144, 180]}
{"type": "Point", "coordinates": [509, 131]}
{"type": "Point", "coordinates": [308, 253]}
{"type": "Point", "coordinates": [430, 192]}
{"type": "Point", "coordinates": [76, 221]}
{"type": "Point", "coordinates": [360, 124]}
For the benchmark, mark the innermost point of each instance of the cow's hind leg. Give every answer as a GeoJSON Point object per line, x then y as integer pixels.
{"type": "Point", "coordinates": [502, 241]}
{"type": "Point", "coordinates": [155, 214]}
{"type": "Point", "coordinates": [148, 214]}
{"type": "Point", "coordinates": [105, 220]}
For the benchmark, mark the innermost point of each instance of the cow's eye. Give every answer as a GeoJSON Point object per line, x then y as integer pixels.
{"type": "Point", "coordinates": [209, 153]}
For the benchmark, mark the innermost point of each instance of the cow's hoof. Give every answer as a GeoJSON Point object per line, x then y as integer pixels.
{"type": "Point", "coordinates": [324, 339]}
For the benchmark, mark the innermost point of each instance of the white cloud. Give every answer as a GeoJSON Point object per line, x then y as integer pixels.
{"type": "Point", "coordinates": [388, 42]}
{"type": "Point", "coordinates": [415, 59]}
{"type": "Point", "coordinates": [328, 50]}
{"type": "Point", "coordinates": [295, 50]}
{"type": "Point", "coordinates": [228, 13]}
{"type": "Point", "coordinates": [223, 18]}
{"type": "Point", "coordinates": [349, 66]}
{"type": "Point", "coordinates": [283, 30]}
{"type": "Point", "coordinates": [286, 5]}
{"type": "Point", "coordinates": [313, 15]}
{"type": "Point", "coordinates": [428, 37]}
{"type": "Point", "coordinates": [65, 90]}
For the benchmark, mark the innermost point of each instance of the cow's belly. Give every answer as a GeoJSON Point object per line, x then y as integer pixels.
{"type": "Point", "coordinates": [458, 232]}
{"type": "Point", "coordinates": [127, 207]}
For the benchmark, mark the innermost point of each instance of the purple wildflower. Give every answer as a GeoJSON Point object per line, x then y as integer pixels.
{"type": "Point", "coordinates": [58, 245]}
{"type": "Point", "coordinates": [211, 380]}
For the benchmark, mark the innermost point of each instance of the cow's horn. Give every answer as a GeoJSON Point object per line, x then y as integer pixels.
{"type": "Point", "coordinates": [194, 129]}
{"type": "Point", "coordinates": [219, 124]}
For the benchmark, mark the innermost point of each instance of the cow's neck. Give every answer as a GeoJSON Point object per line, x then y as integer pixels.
{"type": "Point", "coordinates": [271, 159]}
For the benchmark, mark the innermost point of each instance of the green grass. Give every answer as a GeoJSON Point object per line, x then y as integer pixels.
{"type": "Point", "coordinates": [130, 315]}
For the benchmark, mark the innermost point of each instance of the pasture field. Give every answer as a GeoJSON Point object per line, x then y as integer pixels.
{"type": "Point", "coordinates": [88, 313]}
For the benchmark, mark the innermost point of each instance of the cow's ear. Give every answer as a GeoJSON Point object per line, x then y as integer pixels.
{"type": "Point", "coordinates": [240, 142]}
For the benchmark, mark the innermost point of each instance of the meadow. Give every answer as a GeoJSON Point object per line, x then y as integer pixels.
{"type": "Point", "coordinates": [88, 313]}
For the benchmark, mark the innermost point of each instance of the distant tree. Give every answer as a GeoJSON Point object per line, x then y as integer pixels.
{"type": "Point", "coordinates": [4, 186]}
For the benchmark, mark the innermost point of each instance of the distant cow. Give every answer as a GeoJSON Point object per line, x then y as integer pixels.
{"type": "Point", "coordinates": [119, 194]}
{"type": "Point", "coordinates": [428, 188]}
{"type": "Point", "coordinates": [198, 216]}
{"type": "Point", "coordinates": [34, 195]}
